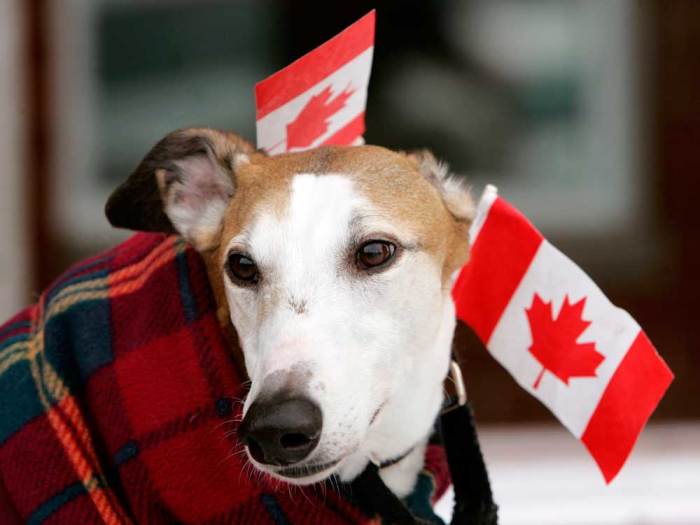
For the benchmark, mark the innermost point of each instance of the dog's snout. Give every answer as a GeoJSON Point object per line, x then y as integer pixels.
{"type": "Point", "coordinates": [281, 432]}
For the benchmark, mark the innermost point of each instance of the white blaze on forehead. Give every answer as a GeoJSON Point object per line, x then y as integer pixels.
{"type": "Point", "coordinates": [300, 255]}
{"type": "Point", "coordinates": [322, 206]}
{"type": "Point", "coordinates": [298, 251]}
{"type": "Point", "coordinates": [306, 239]}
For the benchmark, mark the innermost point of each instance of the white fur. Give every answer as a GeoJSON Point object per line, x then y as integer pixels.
{"type": "Point", "coordinates": [366, 341]}
{"type": "Point", "coordinates": [454, 191]}
{"type": "Point", "coordinates": [196, 202]}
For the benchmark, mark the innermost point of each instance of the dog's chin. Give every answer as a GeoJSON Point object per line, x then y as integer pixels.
{"type": "Point", "coordinates": [300, 474]}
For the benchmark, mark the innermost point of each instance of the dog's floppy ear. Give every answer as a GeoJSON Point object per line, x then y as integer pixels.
{"type": "Point", "coordinates": [455, 193]}
{"type": "Point", "coordinates": [182, 185]}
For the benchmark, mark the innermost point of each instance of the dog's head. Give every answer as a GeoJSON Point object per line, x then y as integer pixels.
{"type": "Point", "coordinates": [334, 266]}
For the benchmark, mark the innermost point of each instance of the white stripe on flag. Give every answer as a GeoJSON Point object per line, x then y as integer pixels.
{"type": "Point", "coordinates": [489, 195]}
{"type": "Point", "coordinates": [553, 276]}
{"type": "Point", "coordinates": [271, 129]}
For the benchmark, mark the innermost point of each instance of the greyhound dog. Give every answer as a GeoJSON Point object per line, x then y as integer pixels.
{"type": "Point", "coordinates": [334, 266]}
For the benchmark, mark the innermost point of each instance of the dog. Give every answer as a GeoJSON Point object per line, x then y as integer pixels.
{"type": "Point", "coordinates": [334, 267]}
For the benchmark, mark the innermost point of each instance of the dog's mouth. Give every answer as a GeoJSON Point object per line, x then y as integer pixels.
{"type": "Point", "coordinates": [305, 471]}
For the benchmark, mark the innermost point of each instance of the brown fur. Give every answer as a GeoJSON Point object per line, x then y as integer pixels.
{"type": "Point", "coordinates": [393, 181]}
{"type": "Point", "coordinates": [413, 190]}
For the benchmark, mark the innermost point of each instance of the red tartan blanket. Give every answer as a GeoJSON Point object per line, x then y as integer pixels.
{"type": "Point", "coordinates": [119, 401]}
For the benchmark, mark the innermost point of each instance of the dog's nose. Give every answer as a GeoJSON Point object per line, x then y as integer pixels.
{"type": "Point", "coordinates": [281, 432]}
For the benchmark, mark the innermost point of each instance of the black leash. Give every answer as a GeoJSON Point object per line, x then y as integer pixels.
{"type": "Point", "coordinates": [474, 503]}
{"type": "Point", "coordinates": [374, 497]}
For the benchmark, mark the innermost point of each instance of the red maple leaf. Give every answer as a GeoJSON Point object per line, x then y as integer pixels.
{"type": "Point", "coordinates": [312, 120]}
{"type": "Point", "coordinates": [554, 340]}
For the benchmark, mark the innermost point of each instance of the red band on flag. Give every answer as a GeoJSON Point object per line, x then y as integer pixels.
{"type": "Point", "coordinates": [506, 245]}
{"type": "Point", "coordinates": [635, 390]}
{"type": "Point", "coordinates": [309, 70]}
{"type": "Point", "coordinates": [349, 133]}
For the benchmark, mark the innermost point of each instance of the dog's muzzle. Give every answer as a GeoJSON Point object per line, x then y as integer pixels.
{"type": "Point", "coordinates": [281, 431]}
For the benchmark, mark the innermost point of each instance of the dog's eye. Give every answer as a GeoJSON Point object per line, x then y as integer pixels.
{"type": "Point", "coordinates": [374, 253]}
{"type": "Point", "coordinates": [242, 269]}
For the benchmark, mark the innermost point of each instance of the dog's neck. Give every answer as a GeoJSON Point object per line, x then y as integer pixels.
{"type": "Point", "coordinates": [407, 420]}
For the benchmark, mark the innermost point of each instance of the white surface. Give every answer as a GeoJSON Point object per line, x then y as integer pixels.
{"type": "Point", "coordinates": [543, 476]}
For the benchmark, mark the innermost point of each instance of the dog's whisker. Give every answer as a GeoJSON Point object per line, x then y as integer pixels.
{"type": "Point", "coordinates": [225, 422]}
{"type": "Point", "coordinates": [240, 472]}
{"type": "Point", "coordinates": [335, 483]}
{"type": "Point", "coordinates": [305, 495]}
{"type": "Point", "coordinates": [324, 491]}
{"type": "Point", "coordinates": [231, 433]}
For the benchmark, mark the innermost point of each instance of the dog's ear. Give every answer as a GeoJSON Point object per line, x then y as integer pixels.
{"type": "Point", "coordinates": [183, 185]}
{"type": "Point", "coordinates": [455, 193]}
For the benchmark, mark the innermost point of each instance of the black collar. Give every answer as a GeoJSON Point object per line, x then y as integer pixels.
{"type": "Point", "coordinates": [393, 461]}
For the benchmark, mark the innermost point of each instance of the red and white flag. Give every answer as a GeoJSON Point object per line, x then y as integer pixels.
{"type": "Point", "coordinates": [563, 341]}
{"type": "Point", "coordinates": [320, 98]}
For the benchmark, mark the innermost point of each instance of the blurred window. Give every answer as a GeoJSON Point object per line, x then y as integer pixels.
{"type": "Point", "coordinates": [539, 97]}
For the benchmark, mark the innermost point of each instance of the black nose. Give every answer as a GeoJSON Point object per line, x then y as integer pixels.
{"type": "Point", "coordinates": [281, 432]}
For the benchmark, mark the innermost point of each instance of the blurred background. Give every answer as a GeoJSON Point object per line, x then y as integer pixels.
{"type": "Point", "coordinates": [585, 114]}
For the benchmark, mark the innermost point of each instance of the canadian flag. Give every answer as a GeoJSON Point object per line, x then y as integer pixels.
{"type": "Point", "coordinates": [320, 98]}
{"type": "Point", "coordinates": [563, 341]}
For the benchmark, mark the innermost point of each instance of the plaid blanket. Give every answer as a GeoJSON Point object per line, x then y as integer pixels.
{"type": "Point", "coordinates": [119, 401]}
